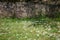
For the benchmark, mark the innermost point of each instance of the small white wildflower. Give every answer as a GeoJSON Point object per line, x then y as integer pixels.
{"type": "Point", "coordinates": [29, 39]}
{"type": "Point", "coordinates": [58, 22]}
{"type": "Point", "coordinates": [44, 33]}
{"type": "Point", "coordinates": [25, 37]}
{"type": "Point", "coordinates": [34, 39]}
{"type": "Point", "coordinates": [31, 31]}
{"type": "Point", "coordinates": [38, 35]}
{"type": "Point", "coordinates": [49, 29]}
{"type": "Point", "coordinates": [37, 31]}
{"type": "Point", "coordinates": [59, 31]}
{"type": "Point", "coordinates": [26, 33]}
{"type": "Point", "coordinates": [51, 35]}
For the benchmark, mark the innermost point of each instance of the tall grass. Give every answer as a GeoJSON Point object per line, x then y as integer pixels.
{"type": "Point", "coordinates": [29, 29]}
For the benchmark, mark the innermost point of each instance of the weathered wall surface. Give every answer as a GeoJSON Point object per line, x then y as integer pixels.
{"type": "Point", "coordinates": [29, 9]}
{"type": "Point", "coordinates": [6, 10]}
{"type": "Point", "coordinates": [26, 9]}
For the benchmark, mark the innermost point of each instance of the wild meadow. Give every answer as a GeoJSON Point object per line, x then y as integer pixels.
{"type": "Point", "coordinates": [29, 29]}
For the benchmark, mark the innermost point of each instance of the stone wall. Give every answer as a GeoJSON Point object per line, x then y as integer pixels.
{"type": "Point", "coordinates": [25, 9]}
{"type": "Point", "coordinates": [6, 10]}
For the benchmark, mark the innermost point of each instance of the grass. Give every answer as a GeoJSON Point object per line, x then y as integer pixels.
{"type": "Point", "coordinates": [29, 29]}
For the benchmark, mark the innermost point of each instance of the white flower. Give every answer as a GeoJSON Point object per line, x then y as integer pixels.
{"type": "Point", "coordinates": [26, 33]}
{"type": "Point", "coordinates": [34, 39]}
{"type": "Point", "coordinates": [59, 31]}
{"type": "Point", "coordinates": [37, 31]}
{"type": "Point", "coordinates": [49, 29]}
{"type": "Point", "coordinates": [44, 33]}
{"type": "Point", "coordinates": [51, 35]}
{"type": "Point", "coordinates": [31, 31]}
{"type": "Point", "coordinates": [38, 35]}
{"type": "Point", "coordinates": [29, 39]}
{"type": "Point", "coordinates": [58, 22]}
{"type": "Point", "coordinates": [25, 37]}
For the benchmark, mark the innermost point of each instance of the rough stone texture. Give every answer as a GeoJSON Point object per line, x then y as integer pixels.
{"type": "Point", "coordinates": [6, 10]}
{"type": "Point", "coordinates": [23, 9]}
{"type": "Point", "coordinates": [20, 10]}
{"type": "Point", "coordinates": [27, 9]}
